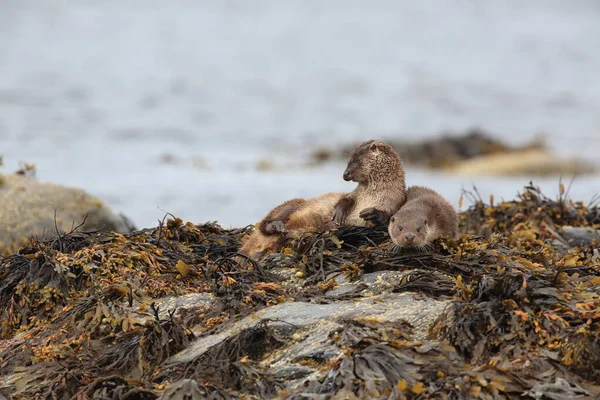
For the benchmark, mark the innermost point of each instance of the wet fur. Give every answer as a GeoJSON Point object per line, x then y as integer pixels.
{"type": "Point", "coordinates": [377, 169]}
{"type": "Point", "coordinates": [280, 213]}
{"type": "Point", "coordinates": [423, 204]}
{"type": "Point", "coordinates": [315, 212]}
{"type": "Point", "coordinates": [379, 172]}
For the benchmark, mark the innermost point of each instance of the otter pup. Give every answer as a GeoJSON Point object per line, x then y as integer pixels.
{"type": "Point", "coordinates": [425, 216]}
{"type": "Point", "coordinates": [381, 190]}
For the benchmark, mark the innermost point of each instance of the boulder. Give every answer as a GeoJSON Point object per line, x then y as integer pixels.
{"type": "Point", "coordinates": [30, 208]}
{"type": "Point", "coordinates": [528, 162]}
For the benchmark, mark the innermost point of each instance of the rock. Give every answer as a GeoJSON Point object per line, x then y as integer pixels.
{"type": "Point", "coordinates": [476, 153]}
{"type": "Point", "coordinates": [185, 302]}
{"type": "Point", "coordinates": [442, 151]}
{"type": "Point", "coordinates": [113, 316]}
{"type": "Point", "coordinates": [304, 330]}
{"type": "Point", "coordinates": [580, 236]}
{"type": "Point", "coordinates": [567, 237]}
{"type": "Point", "coordinates": [187, 307]}
{"type": "Point", "coordinates": [449, 149]}
{"type": "Point", "coordinates": [530, 162]}
{"type": "Point", "coordinates": [534, 162]}
{"type": "Point", "coordinates": [367, 285]}
{"type": "Point", "coordinates": [27, 209]}
{"type": "Point", "coordinates": [421, 312]}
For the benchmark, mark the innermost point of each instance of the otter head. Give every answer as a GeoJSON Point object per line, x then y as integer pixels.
{"type": "Point", "coordinates": [409, 230]}
{"type": "Point", "coordinates": [367, 161]}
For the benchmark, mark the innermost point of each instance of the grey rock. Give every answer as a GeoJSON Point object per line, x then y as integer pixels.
{"type": "Point", "coordinates": [305, 327]}
{"type": "Point", "coordinates": [367, 285]}
{"type": "Point", "coordinates": [189, 301]}
{"type": "Point", "coordinates": [31, 208]}
{"type": "Point", "coordinates": [580, 236]}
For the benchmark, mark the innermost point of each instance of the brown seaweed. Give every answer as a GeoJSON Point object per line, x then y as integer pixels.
{"type": "Point", "coordinates": [85, 314]}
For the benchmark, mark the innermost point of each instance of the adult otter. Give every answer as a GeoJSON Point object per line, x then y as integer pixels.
{"type": "Point", "coordinates": [381, 191]}
{"type": "Point", "coordinates": [425, 216]}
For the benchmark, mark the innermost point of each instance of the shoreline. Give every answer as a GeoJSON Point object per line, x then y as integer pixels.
{"type": "Point", "coordinates": [516, 289]}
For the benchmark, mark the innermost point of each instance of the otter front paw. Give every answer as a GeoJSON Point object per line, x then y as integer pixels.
{"type": "Point", "coordinates": [375, 216]}
{"type": "Point", "coordinates": [275, 227]}
{"type": "Point", "coordinates": [339, 216]}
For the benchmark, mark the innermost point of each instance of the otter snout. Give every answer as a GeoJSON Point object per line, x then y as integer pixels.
{"type": "Point", "coordinates": [347, 175]}
{"type": "Point", "coordinates": [410, 238]}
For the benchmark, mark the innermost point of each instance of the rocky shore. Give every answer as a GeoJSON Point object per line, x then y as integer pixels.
{"type": "Point", "coordinates": [476, 152]}
{"type": "Point", "coordinates": [509, 310]}
{"type": "Point", "coordinates": [29, 208]}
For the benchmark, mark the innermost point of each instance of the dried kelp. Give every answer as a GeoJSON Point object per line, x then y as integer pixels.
{"type": "Point", "coordinates": [531, 217]}
{"type": "Point", "coordinates": [106, 315]}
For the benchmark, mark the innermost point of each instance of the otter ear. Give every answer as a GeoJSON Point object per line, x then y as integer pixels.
{"type": "Point", "coordinates": [374, 147]}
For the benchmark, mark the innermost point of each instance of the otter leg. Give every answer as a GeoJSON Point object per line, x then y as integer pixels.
{"type": "Point", "coordinates": [375, 216]}
{"type": "Point", "coordinates": [342, 209]}
{"type": "Point", "coordinates": [274, 222]}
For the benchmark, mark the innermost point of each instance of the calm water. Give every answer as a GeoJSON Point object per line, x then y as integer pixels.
{"type": "Point", "coordinates": [155, 106]}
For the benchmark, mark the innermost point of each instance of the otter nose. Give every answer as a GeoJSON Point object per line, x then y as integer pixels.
{"type": "Point", "coordinates": [346, 175]}
{"type": "Point", "coordinates": [410, 237]}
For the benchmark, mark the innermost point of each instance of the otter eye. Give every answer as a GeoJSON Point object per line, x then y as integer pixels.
{"type": "Point", "coordinates": [418, 230]}
{"type": "Point", "coordinates": [393, 219]}
{"type": "Point", "coordinates": [399, 229]}
{"type": "Point", "coordinates": [425, 222]}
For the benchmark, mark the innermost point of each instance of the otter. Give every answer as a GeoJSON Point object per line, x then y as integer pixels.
{"type": "Point", "coordinates": [381, 191]}
{"type": "Point", "coordinates": [425, 216]}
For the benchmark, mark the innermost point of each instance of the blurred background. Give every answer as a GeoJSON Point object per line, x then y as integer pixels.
{"type": "Point", "coordinates": [214, 110]}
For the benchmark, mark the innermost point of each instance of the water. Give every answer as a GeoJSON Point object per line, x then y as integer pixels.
{"type": "Point", "coordinates": [167, 106]}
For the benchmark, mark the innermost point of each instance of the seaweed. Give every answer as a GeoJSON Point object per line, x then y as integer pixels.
{"type": "Point", "coordinates": [105, 315]}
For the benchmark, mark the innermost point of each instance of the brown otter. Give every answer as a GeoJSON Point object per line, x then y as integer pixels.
{"type": "Point", "coordinates": [425, 216]}
{"type": "Point", "coordinates": [381, 190]}
{"type": "Point", "coordinates": [292, 216]}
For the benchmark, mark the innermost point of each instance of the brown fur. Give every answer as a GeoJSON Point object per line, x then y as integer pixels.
{"type": "Point", "coordinates": [280, 213]}
{"type": "Point", "coordinates": [381, 190]}
{"type": "Point", "coordinates": [379, 172]}
{"type": "Point", "coordinates": [425, 216]}
{"type": "Point", "coordinates": [259, 243]}
{"type": "Point", "coordinates": [315, 212]}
